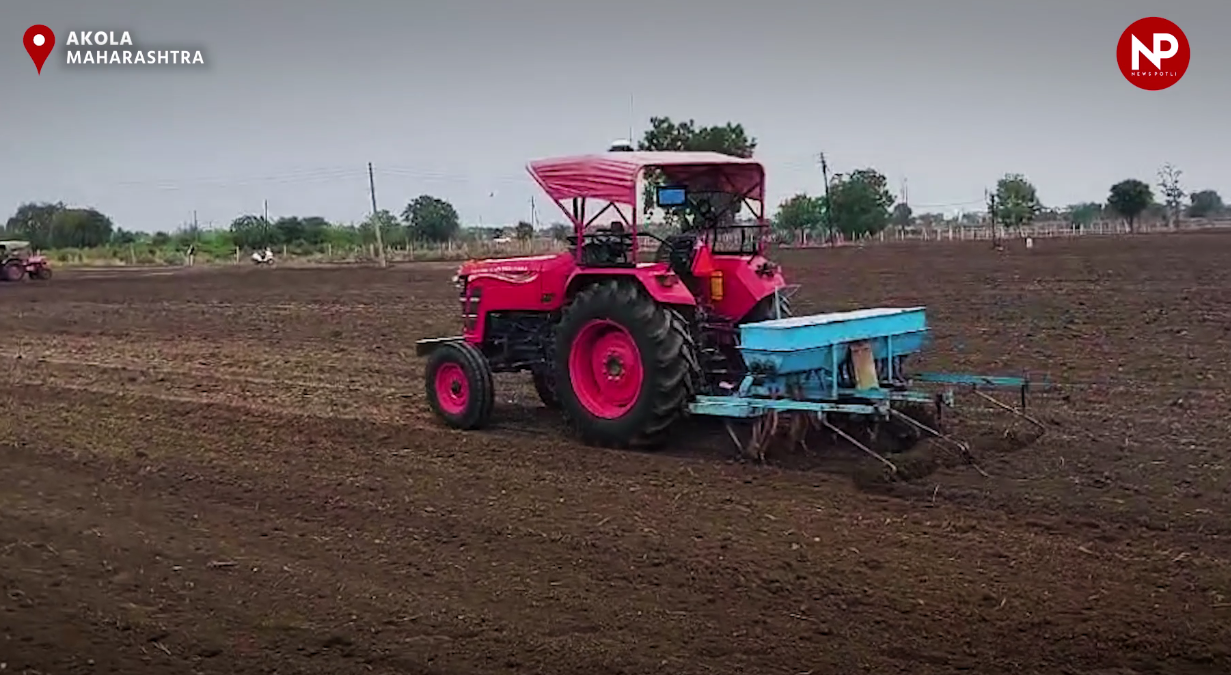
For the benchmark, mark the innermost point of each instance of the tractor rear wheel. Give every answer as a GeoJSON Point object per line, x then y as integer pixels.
{"type": "Point", "coordinates": [13, 270]}
{"type": "Point", "coordinates": [545, 387]}
{"type": "Point", "coordinates": [626, 366]}
{"type": "Point", "coordinates": [459, 385]}
{"type": "Point", "coordinates": [765, 311]}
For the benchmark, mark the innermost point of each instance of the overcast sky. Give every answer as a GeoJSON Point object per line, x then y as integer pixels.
{"type": "Point", "coordinates": [452, 98]}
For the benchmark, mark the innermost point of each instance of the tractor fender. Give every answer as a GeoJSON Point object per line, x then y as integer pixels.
{"type": "Point", "coordinates": [663, 285]}
{"type": "Point", "coordinates": [746, 281]}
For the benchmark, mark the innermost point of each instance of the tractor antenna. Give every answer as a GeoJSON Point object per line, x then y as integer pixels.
{"type": "Point", "coordinates": [632, 116]}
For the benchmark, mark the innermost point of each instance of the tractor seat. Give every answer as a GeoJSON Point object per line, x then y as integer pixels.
{"type": "Point", "coordinates": [678, 252]}
{"type": "Point", "coordinates": [606, 247]}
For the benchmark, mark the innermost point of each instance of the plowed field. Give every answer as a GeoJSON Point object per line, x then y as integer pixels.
{"type": "Point", "coordinates": [236, 472]}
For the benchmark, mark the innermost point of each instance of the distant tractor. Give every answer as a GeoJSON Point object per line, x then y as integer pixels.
{"type": "Point", "coordinates": [625, 347]}
{"type": "Point", "coordinates": [17, 262]}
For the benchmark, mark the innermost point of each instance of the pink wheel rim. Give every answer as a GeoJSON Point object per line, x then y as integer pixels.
{"type": "Point", "coordinates": [452, 388]}
{"type": "Point", "coordinates": [605, 368]}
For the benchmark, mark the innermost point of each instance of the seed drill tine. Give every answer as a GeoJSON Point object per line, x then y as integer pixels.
{"type": "Point", "coordinates": [850, 439]}
{"type": "Point", "coordinates": [1004, 406]}
{"type": "Point", "coordinates": [739, 446]}
{"type": "Point", "coordinates": [962, 449]}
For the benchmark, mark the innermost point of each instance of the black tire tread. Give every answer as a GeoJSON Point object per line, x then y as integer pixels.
{"type": "Point", "coordinates": [15, 264]}
{"type": "Point", "coordinates": [545, 388]}
{"type": "Point", "coordinates": [673, 365]}
{"type": "Point", "coordinates": [483, 386]}
{"type": "Point", "coordinates": [764, 310]}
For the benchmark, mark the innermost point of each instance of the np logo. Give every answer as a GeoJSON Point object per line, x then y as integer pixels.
{"type": "Point", "coordinates": [1153, 53]}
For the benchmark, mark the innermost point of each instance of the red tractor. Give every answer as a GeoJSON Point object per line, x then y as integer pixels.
{"type": "Point", "coordinates": [17, 262]}
{"type": "Point", "coordinates": [620, 345]}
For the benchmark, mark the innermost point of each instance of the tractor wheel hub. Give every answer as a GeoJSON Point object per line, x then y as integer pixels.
{"type": "Point", "coordinates": [614, 366]}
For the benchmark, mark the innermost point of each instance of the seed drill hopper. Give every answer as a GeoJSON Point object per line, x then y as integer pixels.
{"type": "Point", "coordinates": [846, 373]}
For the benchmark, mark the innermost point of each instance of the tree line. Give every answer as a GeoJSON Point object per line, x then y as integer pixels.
{"type": "Point", "coordinates": [424, 219]}
{"type": "Point", "coordinates": [853, 203]}
{"type": "Point", "coordinates": [860, 203]}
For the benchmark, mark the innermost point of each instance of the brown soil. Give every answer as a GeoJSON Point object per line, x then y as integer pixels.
{"type": "Point", "coordinates": [235, 472]}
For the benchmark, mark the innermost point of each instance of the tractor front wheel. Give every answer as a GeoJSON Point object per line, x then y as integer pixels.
{"type": "Point", "coordinates": [459, 385]}
{"type": "Point", "coordinates": [42, 273]}
{"type": "Point", "coordinates": [626, 366]}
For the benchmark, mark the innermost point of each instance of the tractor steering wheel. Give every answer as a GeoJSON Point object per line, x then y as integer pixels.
{"type": "Point", "coordinates": [603, 247]}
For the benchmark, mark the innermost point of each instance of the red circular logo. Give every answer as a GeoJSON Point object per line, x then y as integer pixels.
{"type": "Point", "coordinates": [1153, 53]}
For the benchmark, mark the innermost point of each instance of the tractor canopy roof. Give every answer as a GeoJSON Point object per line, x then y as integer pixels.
{"type": "Point", "coordinates": [14, 244]}
{"type": "Point", "coordinates": [612, 176]}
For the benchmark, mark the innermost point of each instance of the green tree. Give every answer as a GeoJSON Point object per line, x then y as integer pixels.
{"type": "Point", "coordinates": [290, 230]}
{"type": "Point", "coordinates": [1129, 199]}
{"type": "Point", "coordinates": [47, 225]}
{"type": "Point", "coordinates": [1205, 204]}
{"type": "Point", "coordinates": [391, 231]}
{"type": "Point", "coordinates": [666, 135]}
{"type": "Point", "coordinates": [122, 237]}
{"type": "Point", "coordinates": [1083, 213]}
{"type": "Point", "coordinates": [524, 231]}
{"type": "Point", "coordinates": [859, 202]}
{"type": "Point", "coordinates": [902, 216]}
{"type": "Point", "coordinates": [669, 136]}
{"type": "Point", "coordinates": [559, 231]}
{"type": "Point", "coordinates": [80, 228]}
{"type": "Point", "coordinates": [430, 218]}
{"type": "Point", "coordinates": [33, 222]}
{"type": "Point", "coordinates": [188, 235]}
{"type": "Point", "coordinates": [1173, 193]}
{"type": "Point", "coordinates": [315, 230]}
{"type": "Point", "coordinates": [799, 214]}
{"type": "Point", "coordinates": [1017, 202]}
{"type": "Point", "coordinates": [251, 232]}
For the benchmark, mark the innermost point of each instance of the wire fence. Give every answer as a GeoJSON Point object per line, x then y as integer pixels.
{"type": "Point", "coordinates": [458, 250]}
{"type": "Point", "coordinates": [1042, 230]}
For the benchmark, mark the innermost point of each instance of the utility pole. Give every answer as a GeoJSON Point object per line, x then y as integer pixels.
{"type": "Point", "coordinates": [376, 224]}
{"type": "Point", "coordinates": [905, 202]}
{"type": "Point", "coordinates": [991, 212]}
{"type": "Point", "coordinates": [828, 218]}
{"type": "Point", "coordinates": [266, 228]}
{"type": "Point", "coordinates": [534, 214]}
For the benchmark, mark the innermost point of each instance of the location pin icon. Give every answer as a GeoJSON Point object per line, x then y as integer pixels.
{"type": "Point", "coordinates": [38, 41]}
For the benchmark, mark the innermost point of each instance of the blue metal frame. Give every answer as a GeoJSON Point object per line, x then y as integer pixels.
{"type": "Point", "coordinates": [797, 364]}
